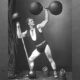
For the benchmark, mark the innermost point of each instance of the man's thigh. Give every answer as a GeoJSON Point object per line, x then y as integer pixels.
{"type": "Point", "coordinates": [34, 55]}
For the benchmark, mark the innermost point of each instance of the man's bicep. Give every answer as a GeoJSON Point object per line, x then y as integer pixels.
{"type": "Point", "coordinates": [42, 24]}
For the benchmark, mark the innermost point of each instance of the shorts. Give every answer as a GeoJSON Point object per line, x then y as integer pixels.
{"type": "Point", "coordinates": [41, 47]}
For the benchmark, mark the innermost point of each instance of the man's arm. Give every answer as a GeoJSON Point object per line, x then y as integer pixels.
{"type": "Point", "coordinates": [43, 23]}
{"type": "Point", "coordinates": [19, 34]}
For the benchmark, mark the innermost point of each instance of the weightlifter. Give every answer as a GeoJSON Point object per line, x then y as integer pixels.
{"type": "Point", "coordinates": [35, 34]}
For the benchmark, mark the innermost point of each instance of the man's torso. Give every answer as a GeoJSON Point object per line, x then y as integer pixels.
{"type": "Point", "coordinates": [35, 36]}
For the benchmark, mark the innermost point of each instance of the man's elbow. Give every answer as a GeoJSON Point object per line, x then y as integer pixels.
{"type": "Point", "coordinates": [46, 21]}
{"type": "Point", "coordinates": [19, 36]}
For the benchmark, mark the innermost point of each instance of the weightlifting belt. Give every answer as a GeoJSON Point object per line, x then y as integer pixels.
{"type": "Point", "coordinates": [40, 43]}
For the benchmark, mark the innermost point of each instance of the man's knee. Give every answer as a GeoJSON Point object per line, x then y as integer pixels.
{"type": "Point", "coordinates": [30, 59]}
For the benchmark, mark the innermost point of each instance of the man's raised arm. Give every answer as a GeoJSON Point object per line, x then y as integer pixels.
{"type": "Point", "coordinates": [19, 34]}
{"type": "Point", "coordinates": [43, 23]}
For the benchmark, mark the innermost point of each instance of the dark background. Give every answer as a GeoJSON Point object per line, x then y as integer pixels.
{"type": "Point", "coordinates": [58, 33]}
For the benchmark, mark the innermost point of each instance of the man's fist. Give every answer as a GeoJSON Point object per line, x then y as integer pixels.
{"type": "Point", "coordinates": [18, 26]}
{"type": "Point", "coordinates": [18, 30]}
{"type": "Point", "coordinates": [15, 15]}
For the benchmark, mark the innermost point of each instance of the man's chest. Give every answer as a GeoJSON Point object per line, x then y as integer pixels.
{"type": "Point", "coordinates": [33, 34]}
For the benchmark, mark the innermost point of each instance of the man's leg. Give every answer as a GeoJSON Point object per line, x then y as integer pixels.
{"type": "Point", "coordinates": [49, 56]}
{"type": "Point", "coordinates": [33, 56]}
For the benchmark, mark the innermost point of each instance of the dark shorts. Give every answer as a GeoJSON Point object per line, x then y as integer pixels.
{"type": "Point", "coordinates": [41, 47]}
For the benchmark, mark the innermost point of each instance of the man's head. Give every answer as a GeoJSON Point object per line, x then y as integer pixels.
{"type": "Point", "coordinates": [30, 22]}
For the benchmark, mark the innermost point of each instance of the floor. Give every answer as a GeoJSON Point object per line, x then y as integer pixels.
{"type": "Point", "coordinates": [42, 76]}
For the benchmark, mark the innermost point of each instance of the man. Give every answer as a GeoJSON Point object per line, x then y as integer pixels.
{"type": "Point", "coordinates": [36, 35]}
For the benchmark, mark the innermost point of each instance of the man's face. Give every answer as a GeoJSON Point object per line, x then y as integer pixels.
{"type": "Point", "coordinates": [31, 22]}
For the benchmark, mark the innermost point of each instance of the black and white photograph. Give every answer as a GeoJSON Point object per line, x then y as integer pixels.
{"type": "Point", "coordinates": [39, 40]}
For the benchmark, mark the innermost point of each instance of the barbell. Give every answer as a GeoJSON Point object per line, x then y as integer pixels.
{"type": "Point", "coordinates": [35, 8]}
{"type": "Point", "coordinates": [55, 7]}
